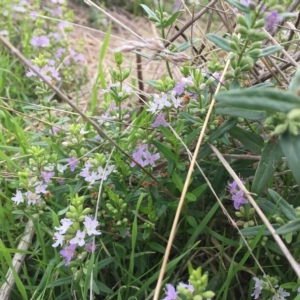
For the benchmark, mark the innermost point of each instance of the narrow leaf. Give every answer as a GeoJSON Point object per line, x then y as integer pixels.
{"type": "Point", "coordinates": [293, 226]}
{"type": "Point", "coordinates": [165, 150]}
{"type": "Point", "coordinates": [227, 125]}
{"type": "Point", "coordinates": [269, 51]}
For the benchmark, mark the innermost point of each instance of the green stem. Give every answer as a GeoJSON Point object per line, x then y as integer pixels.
{"type": "Point", "coordinates": [167, 63]}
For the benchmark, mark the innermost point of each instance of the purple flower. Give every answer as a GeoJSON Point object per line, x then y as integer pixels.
{"type": "Point", "coordinates": [47, 71]}
{"type": "Point", "coordinates": [90, 247]}
{"type": "Point", "coordinates": [127, 234]}
{"type": "Point", "coordinates": [79, 238]}
{"type": "Point", "coordinates": [32, 197]}
{"type": "Point", "coordinates": [18, 197]}
{"type": "Point", "coordinates": [171, 293]}
{"type": "Point", "coordinates": [57, 11]}
{"type": "Point", "coordinates": [238, 199]}
{"type": "Point", "coordinates": [40, 41]}
{"type": "Point", "coordinates": [257, 287]}
{"type": "Point", "coordinates": [73, 162]}
{"type": "Point", "coordinates": [47, 176]}
{"type": "Point", "coordinates": [150, 158]}
{"type": "Point", "coordinates": [68, 253]}
{"type": "Point", "coordinates": [60, 52]}
{"type": "Point", "coordinates": [160, 120]}
{"type": "Point", "coordinates": [179, 88]}
{"type": "Point", "coordinates": [232, 187]}
{"type": "Point", "coordinates": [90, 226]}
{"type": "Point", "coordinates": [271, 20]}
{"type": "Point", "coordinates": [40, 187]}
{"type": "Point", "coordinates": [76, 56]}
{"type": "Point", "coordinates": [60, 181]}
{"type": "Point", "coordinates": [63, 25]}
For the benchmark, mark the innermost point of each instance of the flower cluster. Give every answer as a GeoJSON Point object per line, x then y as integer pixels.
{"type": "Point", "coordinates": [144, 157]}
{"type": "Point", "coordinates": [32, 195]}
{"type": "Point", "coordinates": [260, 285]}
{"type": "Point", "coordinates": [78, 240]}
{"type": "Point", "coordinates": [92, 174]}
{"type": "Point", "coordinates": [162, 101]}
{"type": "Point", "coordinates": [236, 195]}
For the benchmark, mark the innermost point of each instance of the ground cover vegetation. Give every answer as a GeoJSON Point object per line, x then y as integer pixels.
{"type": "Point", "coordinates": [187, 190]}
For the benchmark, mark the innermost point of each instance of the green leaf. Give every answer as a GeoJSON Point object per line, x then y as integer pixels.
{"type": "Point", "coordinates": [190, 197]}
{"type": "Point", "coordinates": [149, 12]}
{"type": "Point", "coordinates": [223, 109]}
{"type": "Point", "coordinates": [219, 41]}
{"type": "Point", "coordinates": [157, 247]}
{"type": "Point", "coordinates": [267, 206]}
{"type": "Point", "coordinates": [192, 221]}
{"type": "Point", "coordinates": [295, 82]}
{"type": "Point", "coordinates": [173, 18]}
{"type": "Point", "coordinates": [271, 100]}
{"type": "Point", "coordinates": [269, 51]}
{"type": "Point", "coordinates": [165, 150]}
{"type": "Point", "coordinates": [238, 5]}
{"type": "Point", "coordinates": [177, 180]}
{"type": "Point", "coordinates": [251, 141]}
{"type": "Point", "coordinates": [253, 231]}
{"type": "Point", "coordinates": [285, 207]}
{"type": "Point", "coordinates": [187, 44]}
{"type": "Point", "coordinates": [270, 157]}
{"type": "Point", "coordinates": [292, 226]}
{"type": "Point", "coordinates": [199, 190]}
{"type": "Point", "coordinates": [227, 125]}
{"type": "Point", "coordinates": [290, 146]}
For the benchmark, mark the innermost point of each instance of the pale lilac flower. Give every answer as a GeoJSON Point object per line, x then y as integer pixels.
{"type": "Point", "coordinates": [187, 286]}
{"type": "Point", "coordinates": [51, 72]}
{"type": "Point", "coordinates": [90, 226]}
{"type": "Point", "coordinates": [60, 181]}
{"type": "Point", "coordinates": [176, 6]}
{"type": "Point", "coordinates": [280, 294]}
{"type": "Point", "coordinates": [79, 238]}
{"type": "Point", "coordinates": [257, 287]}
{"type": "Point", "coordinates": [91, 247]}
{"type": "Point", "coordinates": [4, 32]}
{"type": "Point", "coordinates": [153, 107]}
{"type": "Point", "coordinates": [57, 11]}
{"type": "Point", "coordinates": [160, 120]}
{"type": "Point", "coordinates": [76, 56]}
{"type": "Point", "coordinates": [47, 176]}
{"type": "Point", "coordinates": [73, 162]}
{"type": "Point", "coordinates": [127, 234]}
{"type": "Point", "coordinates": [58, 1]}
{"type": "Point", "coordinates": [171, 293]}
{"type": "Point", "coordinates": [40, 41]}
{"type": "Point", "coordinates": [104, 173]}
{"type": "Point", "coordinates": [271, 20]}
{"type": "Point", "coordinates": [91, 178]}
{"type": "Point", "coordinates": [32, 197]}
{"type": "Point", "coordinates": [59, 238]}
{"type": "Point", "coordinates": [65, 225]}
{"type": "Point", "coordinates": [40, 187]}
{"type": "Point", "coordinates": [232, 187]}
{"type": "Point", "coordinates": [18, 197]}
{"type": "Point", "coordinates": [176, 101]}
{"type": "Point", "coordinates": [68, 253]}
{"type": "Point", "coordinates": [61, 168]}
{"type": "Point", "coordinates": [238, 199]}
{"type": "Point", "coordinates": [188, 81]}
{"type": "Point", "coordinates": [62, 25]}
{"type": "Point", "coordinates": [55, 35]}
{"type": "Point", "coordinates": [163, 101]}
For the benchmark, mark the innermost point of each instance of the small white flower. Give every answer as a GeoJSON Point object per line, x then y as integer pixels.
{"type": "Point", "coordinates": [61, 168]}
{"type": "Point", "coordinates": [58, 238]}
{"type": "Point", "coordinates": [49, 167]}
{"type": "Point", "coordinates": [18, 197]}
{"type": "Point", "coordinates": [79, 238]}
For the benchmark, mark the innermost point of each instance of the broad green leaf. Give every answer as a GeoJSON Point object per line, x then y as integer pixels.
{"type": "Point", "coordinates": [250, 140]}
{"type": "Point", "coordinates": [253, 231]}
{"type": "Point", "coordinates": [190, 197]}
{"type": "Point", "coordinates": [225, 109]}
{"type": "Point", "coordinates": [290, 146]}
{"type": "Point", "coordinates": [227, 125]}
{"type": "Point", "coordinates": [270, 50]}
{"type": "Point", "coordinates": [199, 190]}
{"type": "Point", "coordinates": [165, 150]}
{"type": "Point", "coordinates": [219, 41]}
{"type": "Point", "coordinates": [292, 226]}
{"type": "Point", "coordinates": [267, 206]}
{"type": "Point", "coordinates": [270, 157]}
{"type": "Point", "coordinates": [271, 100]}
{"type": "Point", "coordinates": [285, 207]}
